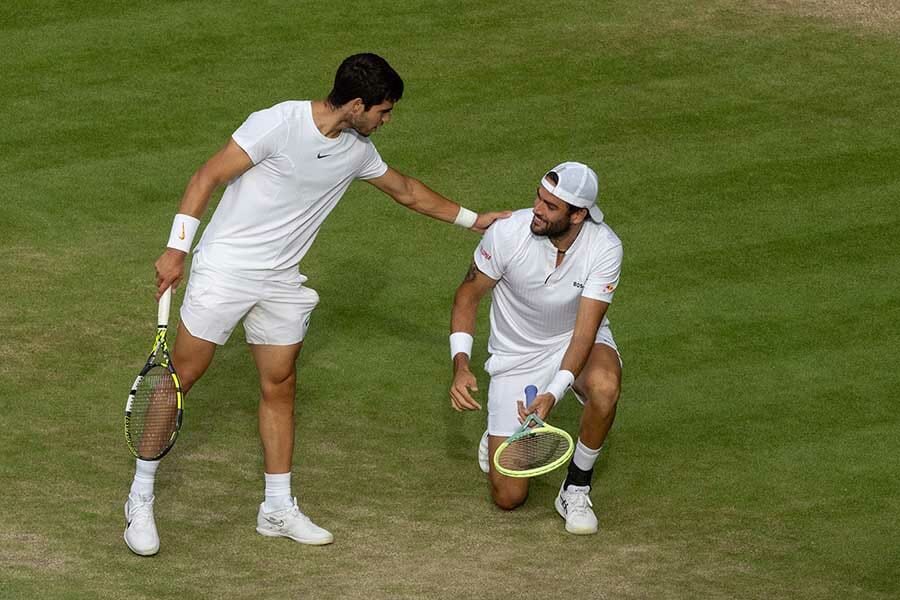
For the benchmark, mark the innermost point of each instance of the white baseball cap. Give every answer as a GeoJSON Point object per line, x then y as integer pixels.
{"type": "Point", "coordinates": [577, 185]}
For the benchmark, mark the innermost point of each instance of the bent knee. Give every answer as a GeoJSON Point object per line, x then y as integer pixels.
{"type": "Point", "coordinates": [601, 390]}
{"type": "Point", "coordinates": [509, 497]}
{"type": "Point", "coordinates": [508, 501]}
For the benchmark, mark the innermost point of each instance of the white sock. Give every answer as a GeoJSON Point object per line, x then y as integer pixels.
{"type": "Point", "coordinates": [584, 457]}
{"type": "Point", "coordinates": [144, 477]}
{"type": "Point", "coordinates": [278, 492]}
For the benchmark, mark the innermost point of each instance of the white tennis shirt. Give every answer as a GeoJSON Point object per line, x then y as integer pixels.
{"type": "Point", "coordinates": [269, 217]}
{"type": "Point", "coordinates": [534, 304]}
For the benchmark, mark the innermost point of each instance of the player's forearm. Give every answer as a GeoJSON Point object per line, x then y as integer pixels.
{"type": "Point", "coordinates": [577, 354]}
{"type": "Point", "coordinates": [190, 210]}
{"type": "Point", "coordinates": [462, 321]}
{"type": "Point", "coordinates": [464, 314]}
{"type": "Point", "coordinates": [462, 332]}
{"type": "Point", "coordinates": [422, 199]}
{"type": "Point", "coordinates": [197, 194]}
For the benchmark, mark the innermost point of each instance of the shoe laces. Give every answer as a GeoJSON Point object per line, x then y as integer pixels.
{"type": "Point", "coordinates": [140, 510]}
{"type": "Point", "coordinates": [578, 501]}
{"type": "Point", "coordinates": [295, 512]}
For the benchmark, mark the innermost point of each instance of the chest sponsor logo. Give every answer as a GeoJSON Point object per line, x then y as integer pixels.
{"type": "Point", "coordinates": [484, 253]}
{"type": "Point", "coordinates": [578, 284]}
{"type": "Point", "coordinates": [320, 155]}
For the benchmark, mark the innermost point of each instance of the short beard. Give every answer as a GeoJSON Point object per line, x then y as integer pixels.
{"type": "Point", "coordinates": [552, 230]}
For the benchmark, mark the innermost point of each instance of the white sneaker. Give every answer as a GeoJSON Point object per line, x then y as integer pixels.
{"type": "Point", "coordinates": [140, 527]}
{"type": "Point", "coordinates": [574, 505]}
{"type": "Point", "coordinates": [291, 523]}
{"type": "Point", "coordinates": [483, 460]}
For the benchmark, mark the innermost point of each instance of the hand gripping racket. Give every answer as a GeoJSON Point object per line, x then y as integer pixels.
{"type": "Point", "coordinates": [535, 448]}
{"type": "Point", "coordinates": [153, 411]}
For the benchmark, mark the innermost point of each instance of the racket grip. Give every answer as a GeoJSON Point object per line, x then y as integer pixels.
{"type": "Point", "coordinates": [530, 394]}
{"type": "Point", "coordinates": [165, 302]}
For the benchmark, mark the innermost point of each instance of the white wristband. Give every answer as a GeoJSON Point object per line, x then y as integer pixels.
{"type": "Point", "coordinates": [460, 342]}
{"type": "Point", "coordinates": [184, 227]}
{"type": "Point", "coordinates": [465, 218]}
{"type": "Point", "coordinates": [561, 382]}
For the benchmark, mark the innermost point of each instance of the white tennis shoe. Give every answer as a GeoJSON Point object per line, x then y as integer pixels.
{"type": "Point", "coordinates": [574, 505]}
{"type": "Point", "coordinates": [483, 460]}
{"type": "Point", "coordinates": [291, 523]}
{"type": "Point", "coordinates": [140, 527]}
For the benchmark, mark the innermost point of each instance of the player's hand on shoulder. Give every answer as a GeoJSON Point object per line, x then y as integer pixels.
{"type": "Point", "coordinates": [542, 405]}
{"type": "Point", "coordinates": [460, 397]}
{"type": "Point", "coordinates": [169, 270]}
{"type": "Point", "coordinates": [485, 220]}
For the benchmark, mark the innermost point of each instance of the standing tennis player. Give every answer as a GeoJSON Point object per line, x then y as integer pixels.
{"type": "Point", "coordinates": [551, 272]}
{"type": "Point", "coordinates": [286, 168]}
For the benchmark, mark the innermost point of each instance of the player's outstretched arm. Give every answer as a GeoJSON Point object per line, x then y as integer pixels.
{"type": "Point", "coordinates": [227, 164]}
{"type": "Point", "coordinates": [487, 219]}
{"type": "Point", "coordinates": [462, 329]}
{"type": "Point", "coordinates": [415, 195]}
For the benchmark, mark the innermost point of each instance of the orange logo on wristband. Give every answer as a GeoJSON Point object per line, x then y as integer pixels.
{"type": "Point", "coordinates": [181, 237]}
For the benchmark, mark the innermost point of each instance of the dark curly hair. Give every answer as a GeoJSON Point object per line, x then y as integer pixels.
{"type": "Point", "coordinates": [366, 76]}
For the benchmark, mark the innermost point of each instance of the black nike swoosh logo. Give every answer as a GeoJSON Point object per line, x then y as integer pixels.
{"type": "Point", "coordinates": [320, 155]}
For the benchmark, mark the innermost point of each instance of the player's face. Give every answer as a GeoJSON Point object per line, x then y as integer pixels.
{"type": "Point", "coordinates": [366, 122]}
{"type": "Point", "coordinates": [551, 215]}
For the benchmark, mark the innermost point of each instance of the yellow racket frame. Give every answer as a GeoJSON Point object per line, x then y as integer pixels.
{"type": "Point", "coordinates": [532, 425]}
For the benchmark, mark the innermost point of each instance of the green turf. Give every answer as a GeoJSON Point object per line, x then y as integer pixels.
{"type": "Point", "coordinates": [748, 159]}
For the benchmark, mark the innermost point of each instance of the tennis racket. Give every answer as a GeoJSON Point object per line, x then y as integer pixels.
{"type": "Point", "coordinates": [535, 448]}
{"type": "Point", "coordinates": [153, 411]}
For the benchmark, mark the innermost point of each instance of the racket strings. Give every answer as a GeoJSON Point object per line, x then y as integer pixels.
{"type": "Point", "coordinates": [154, 412]}
{"type": "Point", "coordinates": [533, 450]}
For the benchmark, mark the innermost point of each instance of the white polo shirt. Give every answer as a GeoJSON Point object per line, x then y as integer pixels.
{"type": "Point", "coordinates": [534, 303]}
{"type": "Point", "coordinates": [269, 217]}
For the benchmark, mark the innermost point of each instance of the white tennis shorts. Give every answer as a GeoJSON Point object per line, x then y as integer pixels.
{"type": "Point", "coordinates": [274, 311]}
{"type": "Point", "coordinates": [507, 388]}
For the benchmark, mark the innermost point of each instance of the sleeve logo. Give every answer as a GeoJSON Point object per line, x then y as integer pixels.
{"type": "Point", "coordinates": [609, 288]}
{"type": "Point", "coordinates": [484, 253]}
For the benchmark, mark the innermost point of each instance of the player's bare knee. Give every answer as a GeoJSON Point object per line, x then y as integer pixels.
{"type": "Point", "coordinates": [508, 493]}
{"type": "Point", "coordinates": [278, 387]}
{"type": "Point", "coordinates": [187, 375]}
{"type": "Point", "coordinates": [602, 391]}
{"type": "Point", "coordinates": [508, 499]}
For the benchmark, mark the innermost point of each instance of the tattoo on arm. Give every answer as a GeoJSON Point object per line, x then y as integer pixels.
{"type": "Point", "coordinates": [473, 271]}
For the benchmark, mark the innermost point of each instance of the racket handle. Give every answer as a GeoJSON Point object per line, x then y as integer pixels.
{"type": "Point", "coordinates": [530, 394]}
{"type": "Point", "coordinates": [165, 302]}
